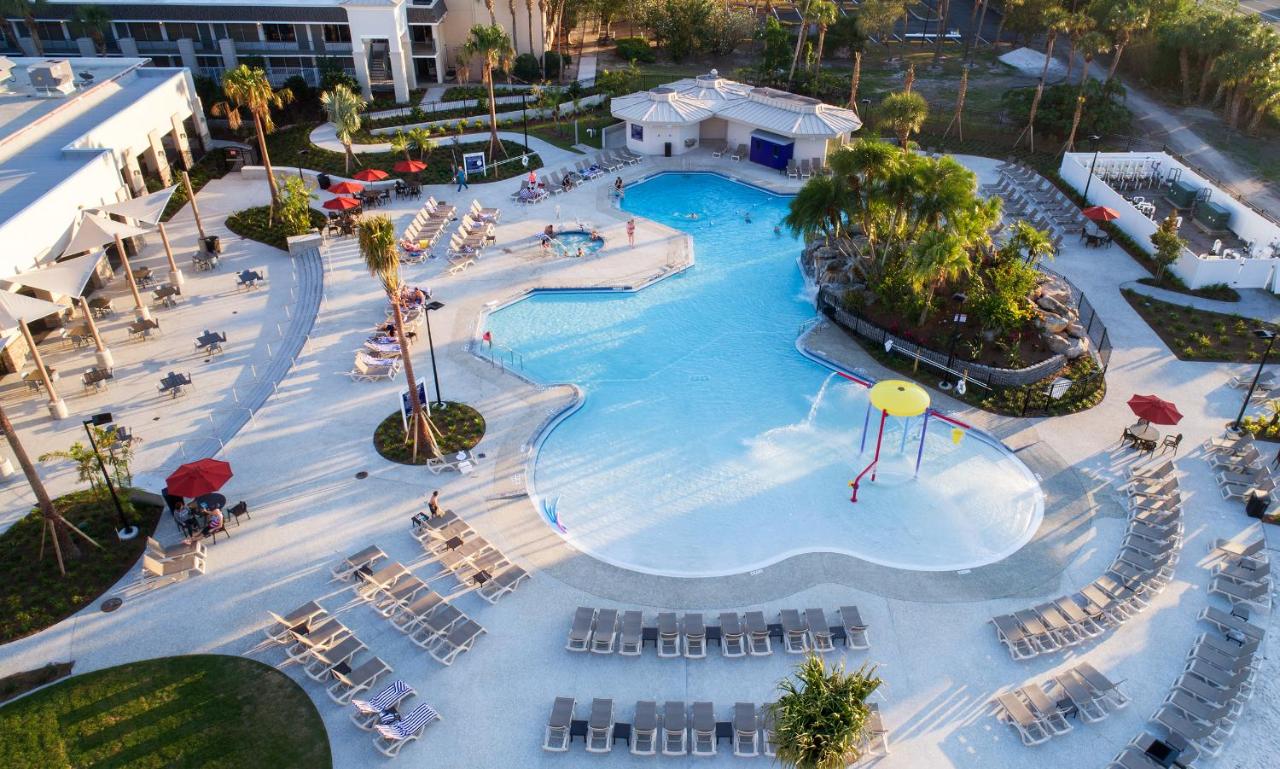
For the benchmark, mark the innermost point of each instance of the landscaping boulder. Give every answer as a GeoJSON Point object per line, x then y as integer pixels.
{"type": "Point", "coordinates": [1076, 330]}
{"type": "Point", "coordinates": [1052, 323]}
{"type": "Point", "coordinates": [1057, 343]}
{"type": "Point", "coordinates": [1077, 348]}
{"type": "Point", "coordinates": [1050, 303]}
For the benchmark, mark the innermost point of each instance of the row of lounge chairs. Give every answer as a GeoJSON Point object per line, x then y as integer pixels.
{"type": "Point", "coordinates": [1141, 569]}
{"type": "Point", "coordinates": [807, 168]}
{"type": "Point", "coordinates": [720, 149]}
{"type": "Point", "coordinates": [326, 649]}
{"type": "Point", "coordinates": [468, 243]}
{"type": "Point", "coordinates": [1267, 382]}
{"type": "Point", "coordinates": [1039, 712]}
{"type": "Point", "coordinates": [1029, 195]}
{"type": "Point", "coordinates": [430, 222]}
{"type": "Point", "coordinates": [1238, 466]}
{"type": "Point", "coordinates": [604, 631]}
{"type": "Point", "coordinates": [468, 557]}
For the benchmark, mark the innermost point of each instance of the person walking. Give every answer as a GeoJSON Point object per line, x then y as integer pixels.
{"type": "Point", "coordinates": [631, 231]}
{"type": "Point", "coordinates": [461, 178]}
{"type": "Point", "coordinates": [434, 504]}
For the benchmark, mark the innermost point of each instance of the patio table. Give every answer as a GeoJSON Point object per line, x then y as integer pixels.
{"type": "Point", "coordinates": [101, 306]}
{"type": "Point", "coordinates": [173, 384]}
{"type": "Point", "coordinates": [166, 295]}
{"type": "Point", "coordinates": [211, 342]}
{"type": "Point", "coordinates": [211, 501]}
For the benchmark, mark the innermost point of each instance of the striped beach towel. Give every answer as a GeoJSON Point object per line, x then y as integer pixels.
{"type": "Point", "coordinates": [409, 726]}
{"type": "Point", "coordinates": [387, 698]}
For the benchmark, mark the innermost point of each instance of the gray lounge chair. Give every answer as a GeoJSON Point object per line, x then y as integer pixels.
{"type": "Point", "coordinates": [439, 622]}
{"type": "Point", "coordinates": [1046, 710]}
{"type": "Point", "coordinates": [1258, 594]}
{"type": "Point", "coordinates": [503, 584]}
{"type": "Point", "coordinates": [1236, 682]}
{"type": "Point", "coordinates": [1014, 711]}
{"type": "Point", "coordinates": [349, 566]}
{"type": "Point", "coordinates": [732, 637]}
{"type": "Point", "coordinates": [855, 630]}
{"type": "Point", "coordinates": [1230, 623]}
{"type": "Point", "coordinates": [740, 152]}
{"type": "Point", "coordinates": [704, 729]}
{"type": "Point", "coordinates": [1014, 638]}
{"type": "Point", "coordinates": [767, 737]}
{"type": "Point", "coordinates": [794, 633]}
{"type": "Point", "coordinates": [631, 639]}
{"type": "Point", "coordinates": [675, 729]}
{"type": "Point", "coordinates": [606, 631]}
{"type": "Point", "coordinates": [1088, 707]}
{"type": "Point", "coordinates": [695, 636]}
{"type": "Point", "coordinates": [1210, 693]}
{"type": "Point", "coordinates": [600, 726]}
{"type": "Point", "coordinates": [460, 638]}
{"type": "Point", "coordinates": [281, 629]}
{"type": "Point", "coordinates": [1102, 686]}
{"type": "Point", "coordinates": [758, 642]}
{"type": "Point", "coordinates": [668, 635]}
{"type": "Point", "coordinates": [1079, 619]}
{"type": "Point", "coordinates": [362, 678]}
{"type": "Point", "coordinates": [1059, 625]}
{"type": "Point", "coordinates": [877, 737]}
{"type": "Point", "coordinates": [322, 661]}
{"type": "Point", "coordinates": [644, 729]}
{"type": "Point", "coordinates": [819, 631]}
{"type": "Point", "coordinates": [559, 723]}
{"type": "Point", "coordinates": [1202, 735]}
{"type": "Point", "coordinates": [746, 730]}
{"type": "Point", "coordinates": [421, 607]}
{"type": "Point", "coordinates": [584, 620]}
{"type": "Point", "coordinates": [1231, 547]}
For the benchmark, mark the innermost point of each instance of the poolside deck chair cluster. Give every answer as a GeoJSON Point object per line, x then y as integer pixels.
{"type": "Point", "coordinates": [1039, 712]}
{"type": "Point", "coordinates": [469, 242]}
{"type": "Point", "coordinates": [476, 564]}
{"type": "Point", "coordinates": [393, 722]}
{"type": "Point", "coordinates": [1139, 571]}
{"type": "Point", "coordinates": [673, 729]}
{"type": "Point", "coordinates": [1241, 573]}
{"type": "Point", "coordinates": [806, 168]}
{"type": "Point", "coordinates": [1238, 466]}
{"type": "Point", "coordinates": [484, 215]}
{"type": "Point", "coordinates": [1028, 195]}
{"type": "Point", "coordinates": [326, 649]}
{"type": "Point", "coordinates": [429, 223]}
{"type": "Point", "coordinates": [1267, 382]}
{"type": "Point", "coordinates": [606, 631]}
{"type": "Point", "coordinates": [370, 368]}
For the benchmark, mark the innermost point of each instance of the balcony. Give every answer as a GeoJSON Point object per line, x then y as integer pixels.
{"type": "Point", "coordinates": [156, 46]}
{"type": "Point", "coordinates": [422, 47]}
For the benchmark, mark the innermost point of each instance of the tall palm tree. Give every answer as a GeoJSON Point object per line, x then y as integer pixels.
{"type": "Point", "coordinates": [819, 208]}
{"type": "Point", "coordinates": [938, 257]}
{"type": "Point", "coordinates": [1007, 7]}
{"type": "Point", "coordinates": [493, 16]}
{"type": "Point", "coordinates": [1075, 25]}
{"type": "Point", "coordinates": [92, 21]}
{"type": "Point", "coordinates": [247, 88]}
{"type": "Point", "coordinates": [825, 13]}
{"type": "Point", "coordinates": [944, 12]}
{"type": "Point", "coordinates": [377, 237]}
{"type": "Point", "coordinates": [528, 5]}
{"type": "Point", "coordinates": [904, 112]}
{"type": "Point", "coordinates": [28, 11]}
{"type": "Point", "coordinates": [1123, 19]}
{"type": "Point", "coordinates": [515, 39]}
{"type": "Point", "coordinates": [1265, 95]}
{"type": "Point", "coordinates": [493, 46]}
{"type": "Point", "coordinates": [1089, 46]}
{"type": "Point", "coordinates": [800, 36]}
{"type": "Point", "coordinates": [1053, 18]}
{"type": "Point", "coordinates": [820, 718]}
{"type": "Point", "coordinates": [1028, 243]}
{"type": "Point", "coordinates": [344, 107]}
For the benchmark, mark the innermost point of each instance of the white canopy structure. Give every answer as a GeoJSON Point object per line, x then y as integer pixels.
{"type": "Point", "coordinates": [147, 208]}
{"type": "Point", "coordinates": [60, 279]}
{"type": "Point", "coordinates": [769, 126]}
{"type": "Point", "coordinates": [96, 231]}
{"type": "Point", "coordinates": [16, 307]}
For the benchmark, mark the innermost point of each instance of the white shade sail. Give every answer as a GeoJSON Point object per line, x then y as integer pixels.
{"type": "Point", "coordinates": [97, 230]}
{"type": "Point", "coordinates": [15, 307]}
{"type": "Point", "coordinates": [147, 208]}
{"type": "Point", "coordinates": [61, 278]}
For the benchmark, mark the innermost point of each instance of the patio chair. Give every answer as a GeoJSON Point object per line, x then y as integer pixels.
{"type": "Point", "coordinates": [631, 638]}
{"type": "Point", "coordinates": [668, 635]}
{"type": "Point", "coordinates": [365, 713]}
{"type": "Point", "coordinates": [1256, 594]}
{"type": "Point", "coordinates": [435, 623]}
{"type": "Point", "coordinates": [406, 619]}
{"type": "Point", "coordinates": [644, 729]}
{"type": "Point", "coordinates": [370, 586]}
{"type": "Point", "coordinates": [362, 678]}
{"type": "Point", "coordinates": [1088, 708]}
{"type": "Point", "coordinates": [600, 726]}
{"type": "Point", "coordinates": [1242, 490]}
{"type": "Point", "coordinates": [606, 631]}
{"type": "Point", "coordinates": [181, 568]}
{"type": "Point", "coordinates": [806, 169]}
{"type": "Point", "coordinates": [1015, 713]}
{"type": "Point", "coordinates": [1228, 547]}
{"type": "Point", "coordinates": [391, 601]}
{"type": "Point", "coordinates": [795, 635]}
{"type": "Point", "coordinates": [1235, 462]}
{"type": "Point", "coordinates": [1014, 638]}
{"type": "Point", "coordinates": [556, 737]}
{"type": "Point", "coordinates": [1045, 709]}
{"type": "Point", "coordinates": [819, 630]}
{"type": "Point", "coordinates": [281, 629]}
{"type": "Point", "coordinates": [704, 729]}
{"type": "Point", "coordinates": [1201, 712]}
{"type": "Point", "coordinates": [1171, 442]}
{"type": "Point", "coordinates": [314, 638]}
{"type": "Point", "coordinates": [1103, 687]}
{"type": "Point", "coordinates": [855, 630]}
{"type": "Point", "coordinates": [792, 170]}
{"type": "Point", "coordinates": [695, 636]}
{"type": "Point", "coordinates": [746, 730]}
{"type": "Point", "coordinates": [877, 737]}
{"type": "Point", "coordinates": [1079, 619]}
{"type": "Point", "coordinates": [1234, 681]}
{"type": "Point", "coordinates": [1229, 443]}
{"type": "Point", "coordinates": [392, 737]}
{"type": "Point", "coordinates": [675, 729]}
{"type": "Point", "coordinates": [584, 620]}
{"type": "Point", "coordinates": [740, 152]}
{"type": "Point", "coordinates": [732, 636]}
{"type": "Point", "coordinates": [460, 638]}
{"type": "Point", "coordinates": [769, 743]}
{"type": "Point", "coordinates": [1060, 626]}
{"type": "Point", "coordinates": [1245, 571]}
{"type": "Point", "coordinates": [367, 368]}
{"type": "Point", "coordinates": [1202, 735]}
{"type": "Point", "coordinates": [759, 644]}
{"type": "Point", "coordinates": [504, 583]}
{"type": "Point", "coordinates": [1231, 699]}
{"type": "Point", "coordinates": [321, 662]}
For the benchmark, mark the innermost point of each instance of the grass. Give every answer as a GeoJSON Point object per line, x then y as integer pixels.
{"type": "Point", "coordinates": [21, 683]}
{"type": "Point", "coordinates": [1192, 334]}
{"type": "Point", "coordinates": [1217, 291]}
{"type": "Point", "coordinates": [546, 130]}
{"type": "Point", "coordinates": [292, 148]}
{"type": "Point", "coordinates": [461, 428]}
{"type": "Point", "coordinates": [206, 711]}
{"type": "Point", "coordinates": [33, 595]}
{"type": "Point", "coordinates": [255, 224]}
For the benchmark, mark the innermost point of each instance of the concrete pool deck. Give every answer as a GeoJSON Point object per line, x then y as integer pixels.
{"type": "Point", "coordinates": [296, 465]}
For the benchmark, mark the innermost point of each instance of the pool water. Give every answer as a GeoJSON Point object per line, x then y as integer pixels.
{"type": "Point", "coordinates": [568, 242]}
{"type": "Point", "coordinates": [707, 444]}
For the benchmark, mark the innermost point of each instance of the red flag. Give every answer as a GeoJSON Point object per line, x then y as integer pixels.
{"type": "Point", "coordinates": [488, 338]}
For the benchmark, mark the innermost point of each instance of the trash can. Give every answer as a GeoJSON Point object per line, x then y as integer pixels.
{"type": "Point", "coordinates": [213, 244]}
{"type": "Point", "coordinates": [666, 149]}
{"type": "Point", "coordinates": [1257, 503]}
{"type": "Point", "coordinates": [324, 181]}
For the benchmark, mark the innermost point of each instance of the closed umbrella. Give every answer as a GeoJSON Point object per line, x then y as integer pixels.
{"type": "Point", "coordinates": [346, 188]}
{"type": "Point", "coordinates": [1155, 410]}
{"type": "Point", "coordinates": [203, 476]}
{"type": "Point", "coordinates": [1100, 214]}
{"type": "Point", "coordinates": [370, 175]}
{"type": "Point", "coordinates": [341, 204]}
{"type": "Point", "coordinates": [409, 166]}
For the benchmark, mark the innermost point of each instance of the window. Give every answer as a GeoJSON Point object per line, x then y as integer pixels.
{"type": "Point", "coordinates": [420, 33]}
{"type": "Point", "coordinates": [244, 33]}
{"type": "Point", "coordinates": [143, 31]}
{"type": "Point", "coordinates": [48, 30]}
{"type": "Point", "coordinates": [209, 62]}
{"type": "Point", "coordinates": [637, 132]}
{"type": "Point", "coordinates": [337, 33]}
{"type": "Point", "coordinates": [279, 33]}
{"type": "Point", "coordinates": [180, 29]}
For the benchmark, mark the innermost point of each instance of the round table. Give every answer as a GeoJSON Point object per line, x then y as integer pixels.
{"type": "Point", "coordinates": [211, 501]}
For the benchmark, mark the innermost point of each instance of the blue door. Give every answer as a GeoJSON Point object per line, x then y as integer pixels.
{"type": "Point", "coordinates": [770, 153]}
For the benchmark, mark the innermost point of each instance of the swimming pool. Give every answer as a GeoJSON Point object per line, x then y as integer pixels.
{"type": "Point", "coordinates": [567, 243]}
{"type": "Point", "coordinates": [707, 444]}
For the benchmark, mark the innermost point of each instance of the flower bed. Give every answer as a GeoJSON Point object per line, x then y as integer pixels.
{"type": "Point", "coordinates": [461, 428]}
{"type": "Point", "coordinates": [1193, 334]}
{"type": "Point", "coordinates": [255, 223]}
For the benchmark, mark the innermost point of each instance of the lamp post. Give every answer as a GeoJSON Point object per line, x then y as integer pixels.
{"type": "Point", "coordinates": [957, 321]}
{"type": "Point", "coordinates": [866, 111]}
{"type": "Point", "coordinates": [1089, 181]}
{"type": "Point", "coordinates": [127, 530]}
{"type": "Point", "coordinates": [524, 114]}
{"type": "Point", "coordinates": [431, 345]}
{"type": "Point", "coordinates": [1270, 336]}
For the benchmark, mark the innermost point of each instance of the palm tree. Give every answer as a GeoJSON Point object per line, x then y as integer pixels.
{"type": "Point", "coordinates": [938, 257]}
{"type": "Point", "coordinates": [943, 14]}
{"type": "Point", "coordinates": [493, 46]}
{"type": "Point", "coordinates": [1075, 26]}
{"type": "Point", "coordinates": [28, 11]}
{"type": "Point", "coordinates": [803, 33]}
{"type": "Point", "coordinates": [422, 141]}
{"type": "Point", "coordinates": [820, 718]}
{"type": "Point", "coordinates": [1265, 94]}
{"type": "Point", "coordinates": [825, 13]}
{"type": "Point", "coordinates": [247, 88]}
{"type": "Point", "coordinates": [957, 120]}
{"type": "Point", "coordinates": [401, 143]}
{"type": "Point", "coordinates": [343, 108]}
{"type": "Point", "coordinates": [1007, 7]}
{"type": "Point", "coordinates": [493, 16]}
{"type": "Point", "coordinates": [1028, 243]}
{"type": "Point", "coordinates": [1123, 19]}
{"type": "Point", "coordinates": [1054, 18]}
{"type": "Point", "coordinates": [819, 208]}
{"type": "Point", "coordinates": [878, 17]}
{"type": "Point", "coordinates": [904, 113]}
{"type": "Point", "coordinates": [93, 21]}
{"type": "Point", "coordinates": [1090, 45]}
{"type": "Point", "coordinates": [533, 49]}
{"type": "Point", "coordinates": [864, 165]}
{"type": "Point", "coordinates": [515, 39]}
{"type": "Point", "coordinates": [382, 258]}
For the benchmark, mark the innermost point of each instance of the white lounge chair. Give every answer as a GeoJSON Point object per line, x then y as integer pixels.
{"type": "Point", "coordinates": [369, 369]}
{"type": "Point", "coordinates": [556, 738]}
{"type": "Point", "coordinates": [365, 713]}
{"type": "Point", "coordinates": [392, 737]}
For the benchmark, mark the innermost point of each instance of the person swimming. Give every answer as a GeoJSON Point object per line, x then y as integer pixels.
{"type": "Point", "coordinates": [777, 230]}
{"type": "Point", "coordinates": [747, 217]}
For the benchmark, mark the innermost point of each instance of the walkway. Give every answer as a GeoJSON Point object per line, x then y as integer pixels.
{"type": "Point", "coordinates": [1254, 303]}
{"type": "Point", "coordinates": [587, 69]}
{"type": "Point", "coordinates": [325, 136]}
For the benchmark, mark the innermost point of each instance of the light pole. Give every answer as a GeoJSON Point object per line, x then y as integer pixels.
{"type": "Point", "coordinates": [432, 346]}
{"type": "Point", "coordinates": [1089, 181]}
{"type": "Point", "coordinates": [127, 530]}
{"type": "Point", "coordinates": [957, 321]}
{"type": "Point", "coordinates": [524, 114]}
{"type": "Point", "coordinates": [1270, 336]}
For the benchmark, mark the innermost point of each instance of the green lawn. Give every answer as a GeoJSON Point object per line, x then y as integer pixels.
{"type": "Point", "coordinates": [33, 595]}
{"type": "Point", "coordinates": [206, 711]}
{"type": "Point", "coordinates": [256, 224]}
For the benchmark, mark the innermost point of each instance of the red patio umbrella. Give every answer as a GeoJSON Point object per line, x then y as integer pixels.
{"type": "Point", "coordinates": [204, 476]}
{"type": "Point", "coordinates": [341, 204]}
{"type": "Point", "coordinates": [409, 166]}
{"type": "Point", "coordinates": [1155, 410]}
{"type": "Point", "coordinates": [370, 175]}
{"type": "Point", "coordinates": [345, 188]}
{"type": "Point", "coordinates": [1100, 214]}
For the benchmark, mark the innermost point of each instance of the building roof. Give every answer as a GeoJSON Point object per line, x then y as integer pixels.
{"type": "Point", "coordinates": [692, 100]}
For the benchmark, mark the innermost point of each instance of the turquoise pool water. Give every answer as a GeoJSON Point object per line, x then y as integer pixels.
{"type": "Point", "coordinates": [707, 444]}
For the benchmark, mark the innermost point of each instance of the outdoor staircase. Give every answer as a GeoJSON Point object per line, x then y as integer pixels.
{"type": "Point", "coordinates": [379, 61]}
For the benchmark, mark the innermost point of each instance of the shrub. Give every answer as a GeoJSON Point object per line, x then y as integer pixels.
{"type": "Point", "coordinates": [552, 60]}
{"type": "Point", "coordinates": [526, 68]}
{"type": "Point", "coordinates": [636, 49]}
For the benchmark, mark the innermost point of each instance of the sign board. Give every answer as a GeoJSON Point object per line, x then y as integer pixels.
{"type": "Point", "coordinates": [473, 162]}
{"type": "Point", "coordinates": [1059, 387]}
{"type": "Point", "coordinates": [406, 410]}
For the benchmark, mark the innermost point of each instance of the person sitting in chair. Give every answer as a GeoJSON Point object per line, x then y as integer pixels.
{"type": "Point", "coordinates": [212, 522]}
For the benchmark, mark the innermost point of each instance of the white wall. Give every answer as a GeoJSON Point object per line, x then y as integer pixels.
{"type": "Point", "coordinates": [656, 136]}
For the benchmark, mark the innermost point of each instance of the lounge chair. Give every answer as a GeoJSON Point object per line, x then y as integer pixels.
{"type": "Point", "coordinates": [365, 713]}
{"type": "Point", "coordinates": [1201, 711]}
{"type": "Point", "coordinates": [1202, 735]}
{"type": "Point", "coordinates": [792, 170]}
{"type": "Point", "coordinates": [281, 630]}
{"type": "Point", "coordinates": [1015, 713]}
{"type": "Point", "coordinates": [759, 643]}
{"type": "Point", "coordinates": [1229, 623]}
{"type": "Point", "coordinates": [600, 726]}
{"type": "Point", "coordinates": [806, 169]}
{"type": "Point", "coordinates": [1236, 681]}
{"type": "Point", "coordinates": [746, 730]}
{"type": "Point", "coordinates": [1258, 595]}
{"type": "Point", "coordinates": [1088, 708]}
{"type": "Point", "coordinates": [584, 619]}
{"type": "Point", "coordinates": [631, 635]}
{"type": "Point", "coordinates": [317, 637]}
{"type": "Point", "coordinates": [1239, 549]}
{"type": "Point", "coordinates": [504, 583]}
{"type": "Point", "coordinates": [1046, 710]}
{"type": "Point", "coordinates": [704, 729]}
{"type": "Point", "coordinates": [718, 149]}
{"type": "Point", "coordinates": [338, 656]}
{"type": "Point", "coordinates": [460, 638]}
{"type": "Point", "coordinates": [364, 559]}
{"type": "Point", "coordinates": [732, 637]}
{"type": "Point", "coordinates": [1245, 571]}
{"type": "Point", "coordinates": [740, 152]}
{"type": "Point", "coordinates": [695, 636]}
{"type": "Point", "coordinates": [559, 723]}
{"type": "Point", "coordinates": [181, 568]}
{"type": "Point", "coordinates": [1079, 619]}
{"type": "Point", "coordinates": [877, 737]}
{"type": "Point", "coordinates": [795, 635]}
{"type": "Point", "coordinates": [769, 741]}
{"type": "Point", "coordinates": [1013, 637]}
{"type": "Point", "coordinates": [406, 619]}
{"type": "Point", "coordinates": [1230, 661]}
{"type": "Point", "coordinates": [1210, 693]}
{"type": "Point", "coordinates": [436, 624]}
{"type": "Point", "coordinates": [855, 630]}
{"type": "Point", "coordinates": [392, 737]}
{"type": "Point", "coordinates": [606, 631]}
{"type": "Point", "coordinates": [362, 678]}
{"type": "Point", "coordinates": [1161, 471]}
{"type": "Point", "coordinates": [675, 729]}
{"type": "Point", "coordinates": [819, 630]}
{"type": "Point", "coordinates": [644, 729]}
{"type": "Point", "coordinates": [371, 586]}
{"type": "Point", "coordinates": [1266, 380]}
{"type": "Point", "coordinates": [1059, 625]}
{"type": "Point", "coordinates": [369, 369]}
{"type": "Point", "coordinates": [392, 601]}
{"type": "Point", "coordinates": [668, 635]}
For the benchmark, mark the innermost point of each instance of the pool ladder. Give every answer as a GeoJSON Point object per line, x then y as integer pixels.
{"type": "Point", "coordinates": [503, 357]}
